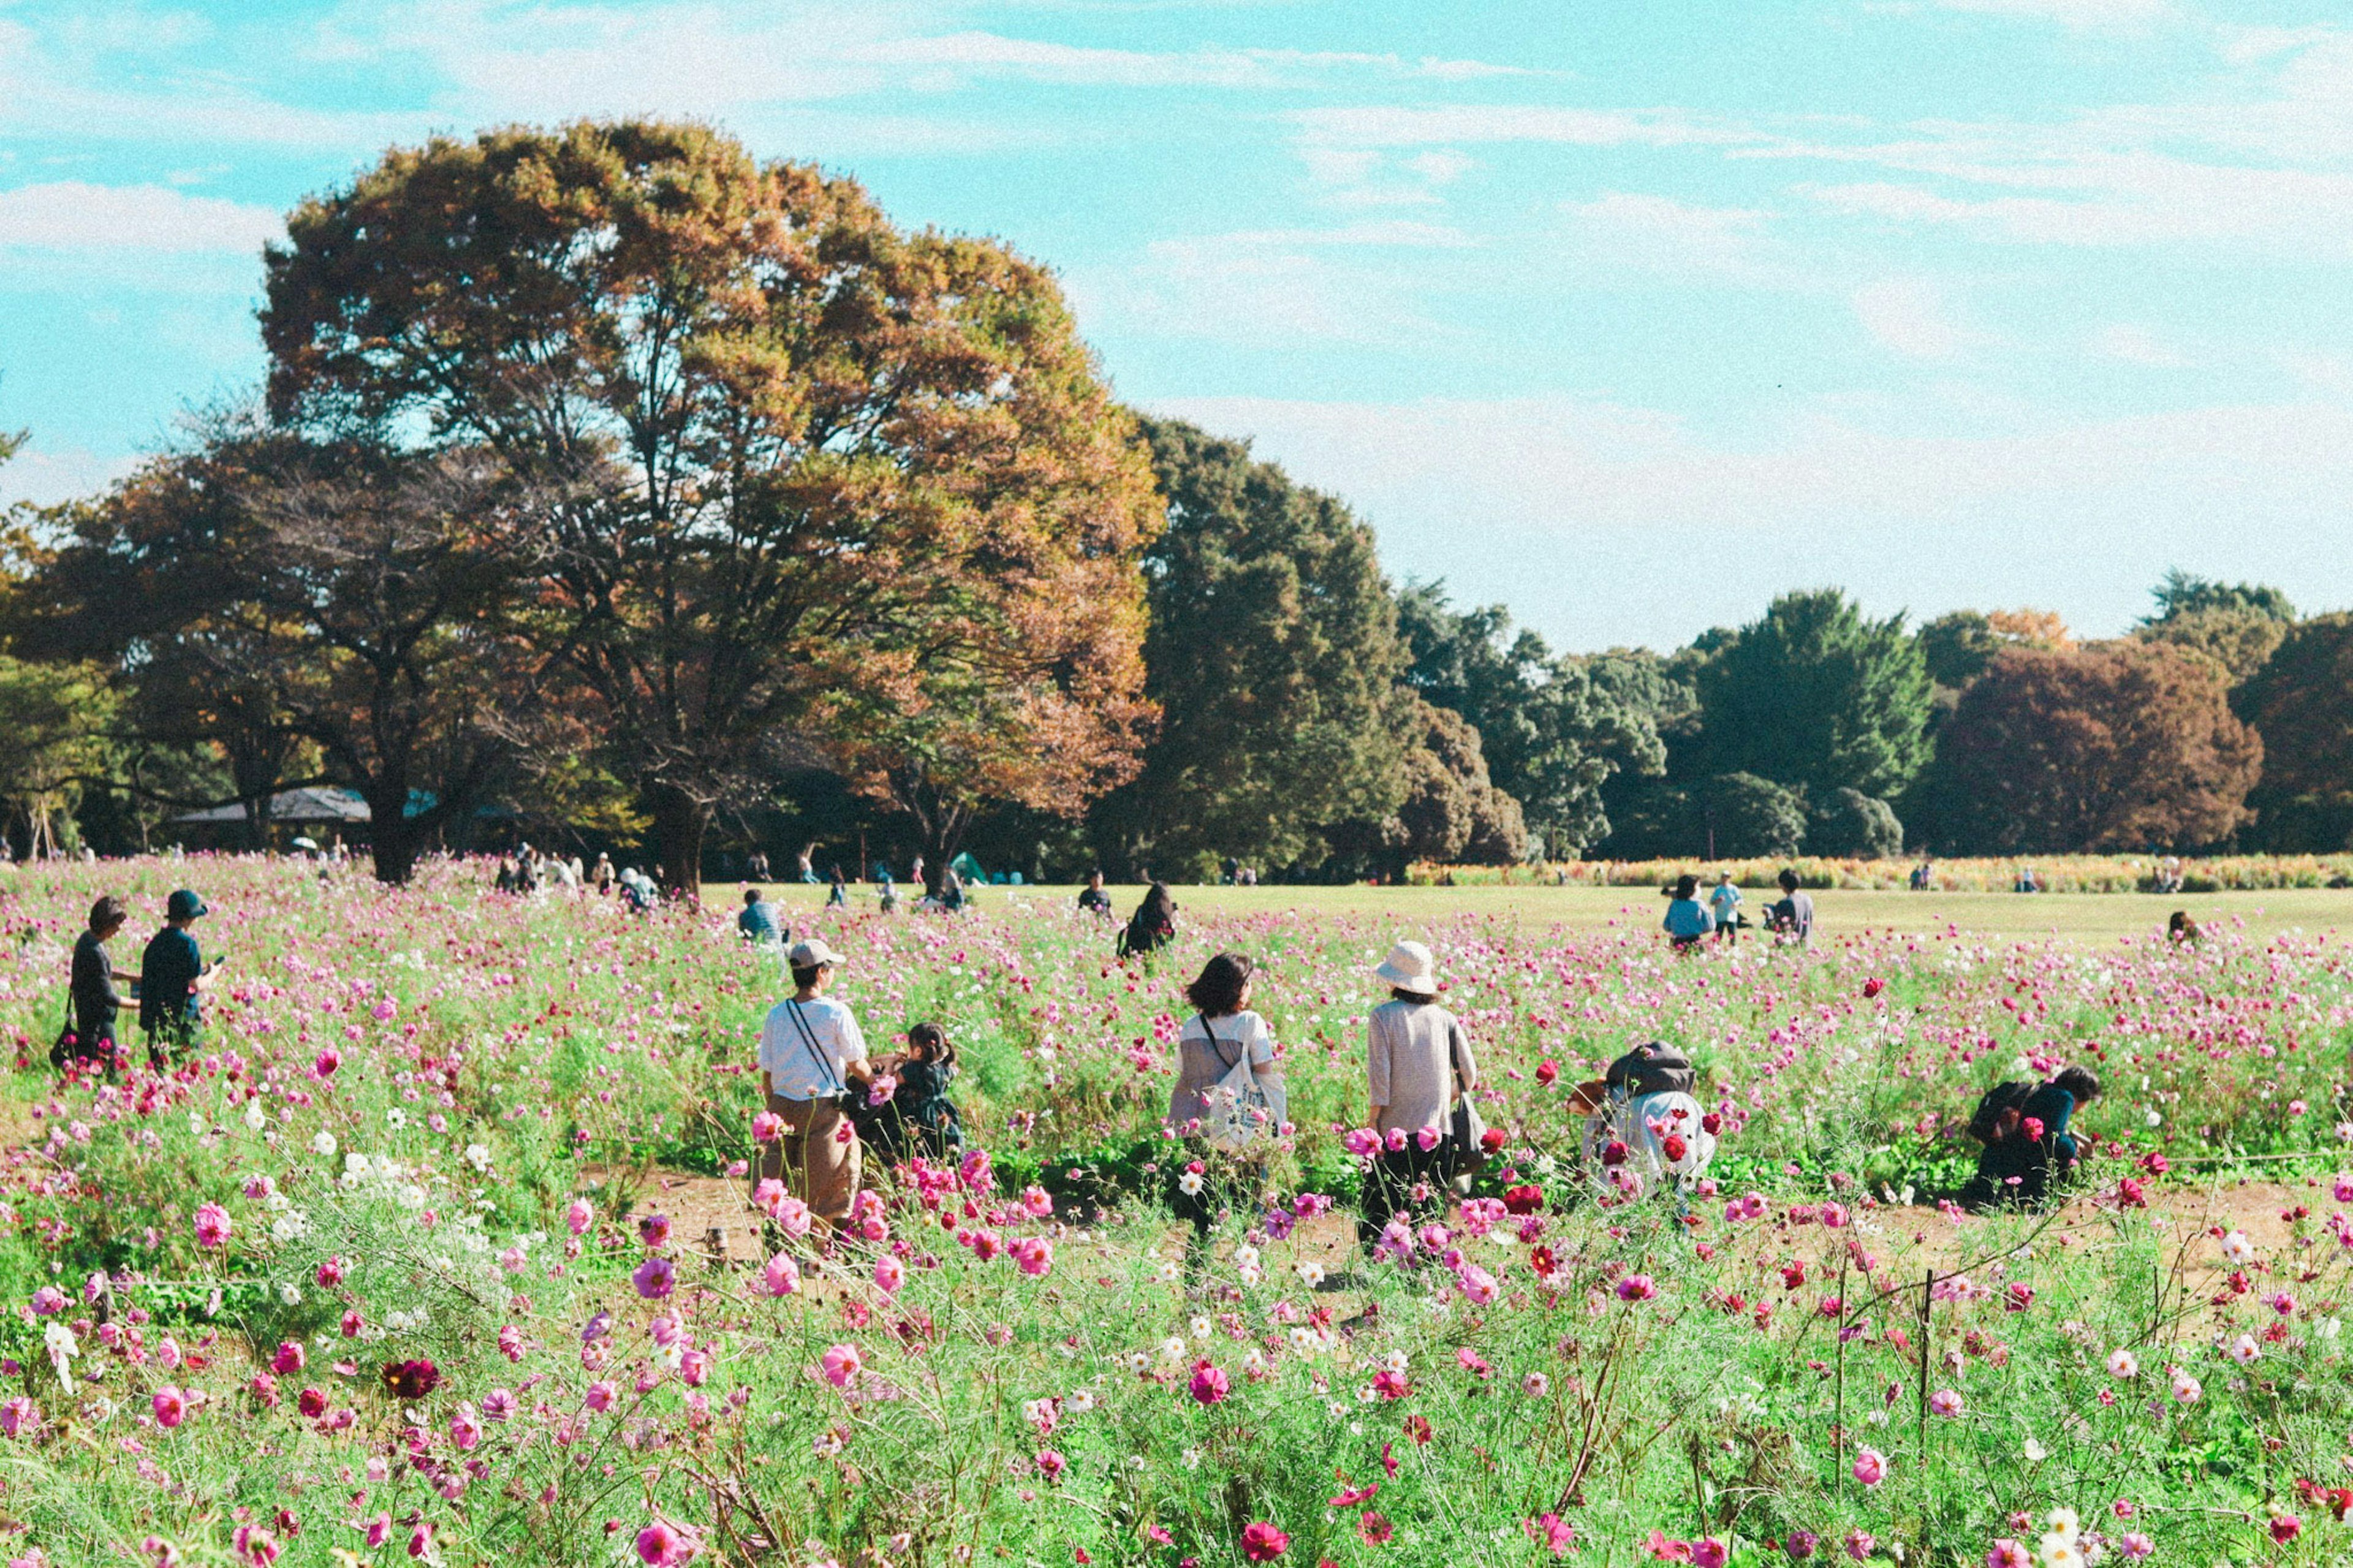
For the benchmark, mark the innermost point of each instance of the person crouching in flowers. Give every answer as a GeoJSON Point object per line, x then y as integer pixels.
{"type": "Point", "coordinates": [1417, 1064]}
{"type": "Point", "coordinates": [2029, 1150]}
{"type": "Point", "coordinates": [911, 1111]}
{"type": "Point", "coordinates": [811, 1052]}
{"type": "Point", "coordinates": [1228, 1101]}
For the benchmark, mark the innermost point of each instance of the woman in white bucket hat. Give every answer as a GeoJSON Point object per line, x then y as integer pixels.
{"type": "Point", "coordinates": [1418, 1064]}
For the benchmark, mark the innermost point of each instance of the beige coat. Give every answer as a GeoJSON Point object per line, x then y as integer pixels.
{"type": "Point", "coordinates": [1410, 1068]}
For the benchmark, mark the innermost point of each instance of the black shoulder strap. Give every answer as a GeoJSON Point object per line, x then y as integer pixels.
{"type": "Point", "coordinates": [1217, 1046]}
{"type": "Point", "coordinates": [809, 1041]}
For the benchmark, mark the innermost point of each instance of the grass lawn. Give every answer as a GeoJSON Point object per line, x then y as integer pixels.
{"type": "Point", "coordinates": [2084, 916]}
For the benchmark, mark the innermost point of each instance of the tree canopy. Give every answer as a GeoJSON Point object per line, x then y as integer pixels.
{"type": "Point", "coordinates": [2180, 594]}
{"type": "Point", "coordinates": [1814, 694]}
{"type": "Point", "coordinates": [805, 484]}
{"type": "Point", "coordinates": [2301, 701]}
{"type": "Point", "coordinates": [1273, 658]}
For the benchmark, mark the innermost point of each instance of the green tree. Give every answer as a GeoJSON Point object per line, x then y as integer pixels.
{"type": "Point", "coordinates": [2114, 746]}
{"type": "Point", "coordinates": [2301, 701]}
{"type": "Point", "coordinates": [1273, 656]}
{"type": "Point", "coordinates": [1814, 694]}
{"type": "Point", "coordinates": [1554, 731]}
{"type": "Point", "coordinates": [810, 487]}
{"type": "Point", "coordinates": [2183, 595]}
{"type": "Point", "coordinates": [55, 717]}
{"type": "Point", "coordinates": [1851, 823]}
{"type": "Point", "coordinates": [2238, 640]}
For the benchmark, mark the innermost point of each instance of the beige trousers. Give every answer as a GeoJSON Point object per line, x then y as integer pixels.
{"type": "Point", "coordinates": [817, 1159]}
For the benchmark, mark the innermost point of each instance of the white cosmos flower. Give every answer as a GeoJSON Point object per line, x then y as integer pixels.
{"type": "Point", "coordinates": [323, 1145]}
{"type": "Point", "coordinates": [1311, 1274]}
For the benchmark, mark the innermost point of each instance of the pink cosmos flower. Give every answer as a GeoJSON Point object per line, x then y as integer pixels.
{"type": "Point", "coordinates": [654, 1230]}
{"type": "Point", "coordinates": [662, 1544]}
{"type": "Point", "coordinates": [1051, 1463]}
{"type": "Point", "coordinates": [1363, 1143]}
{"type": "Point", "coordinates": [1037, 1201]}
{"type": "Point", "coordinates": [1479, 1287]}
{"type": "Point", "coordinates": [326, 1062]}
{"type": "Point", "coordinates": [1870, 1467]}
{"type": "Point", "coordinates": [1262, 1542]}
{"type": "Point", "coordinates": [2134, 1545]}
{"type": "Point", "coordinates": [889, 1274]}
{"type": "Point", "coordinates": [655, 1277]}
{"type": "Point", "coordinates": [1210, 1385]}
{"type": "Point", "coordinates": [47, 1301]}
{"type": "Point", "coordinates": [465, 1429]}
{"type": "Point", "coordinates": [580, 1217]}
{"type": "Point", "coordinates": [170, 1404]}
{"type": "Point", "coordinates": [331, 1273]}
{"type": "Point", "coordinates": [841, 1363]}
{"type": "Point", "coordinates": [1555, 1532]}
{"type": "Point", "coordinates": [1033, 1255]}
{"type": "Point", "coordinates": [782, 1276]}
{"type": "Point", "coordinates": [2008, 1553]}
{"type": "Point", "coordinates": [600, 1396]}
{"type": "Point", "coordinates": [1945, 1402]}
{"type": "Point", "coordinates": [213, 1226]}
{"type": "Point", "coordinates": [1636, 1288]}
{"type": "Point", "coordinates": [767, 1127]}
{"type": "Point", "coordinates": [1707, 1552]}
{"type": "Point", "coordinates": [288, 1360]}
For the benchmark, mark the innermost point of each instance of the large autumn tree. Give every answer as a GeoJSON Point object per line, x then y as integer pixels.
{"type": "Point", "coordinates": [2301, 700]}
{"type": "Point", "coordinates": [1275, 658]}
{"type": "Point", "coordinates": [816, 489]}
{"type": "Point", "coordinates": [2111, 746]}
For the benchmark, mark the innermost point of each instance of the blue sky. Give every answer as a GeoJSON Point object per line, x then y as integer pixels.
{"type": "Point", "coordinates": [1627, 315]}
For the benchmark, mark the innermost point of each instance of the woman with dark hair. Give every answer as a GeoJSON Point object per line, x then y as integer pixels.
{"type": "Point", "coordinates": [1229, 1100]}
{"type": "Point", "coordinates": [915, 1116]}
{"type": "Point", "coordinates": [2028, 1146]}
{"type": "Point", "coordinates": [1687, 918]}
{"type": "Point", "coordinates": [1153, 926]}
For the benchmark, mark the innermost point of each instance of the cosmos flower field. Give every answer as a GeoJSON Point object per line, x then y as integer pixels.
{"type": "Point", "coordinates": [398, 1267]}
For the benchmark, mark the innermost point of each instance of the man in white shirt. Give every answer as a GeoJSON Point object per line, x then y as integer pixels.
{"type": "Point", "coordinates": [812, 1055]}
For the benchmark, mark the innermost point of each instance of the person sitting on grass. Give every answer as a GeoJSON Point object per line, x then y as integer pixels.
{"type": "Point", "coordinates": [757, 923]}
{"type": "Point", "coordinates": [2029, 1150]}
{"type": "Point", "coordinates": [1791, 917]}
{"type": "Point", "coordinates": [1687, 921]}
{"type": "Point", "coordinates": [1092, 899]}
{"type": "Point", "coordinates": [1152, 927]}
{"type": "Point", "coordinates": [2181, 929]}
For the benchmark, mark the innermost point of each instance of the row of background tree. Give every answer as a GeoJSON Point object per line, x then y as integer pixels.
{"type": "Point", "coordinates": [613, 489]}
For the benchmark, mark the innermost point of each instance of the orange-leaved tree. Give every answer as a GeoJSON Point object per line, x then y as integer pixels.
{"type": "Point", "coordinates": [815, 486]}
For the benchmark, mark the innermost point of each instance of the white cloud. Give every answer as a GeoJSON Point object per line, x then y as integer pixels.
{"type": "Point", "coordinates": [2135, 345]}
{"type": "Point", "coordinates": [45, 477]}
{"type": "Point", "coordinates": [1908, 316]}
{"type": "Point", "coordinates": [1392, 126]}
{"type": "Point", "coordinates": [1664, 237]}
{"type": "Point", "coordinates": [2076, 14]}
{"type": "Point", "coordinates": [72, 215]}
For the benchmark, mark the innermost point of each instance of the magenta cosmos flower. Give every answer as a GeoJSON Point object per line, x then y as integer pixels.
{"type": "Point", "coordinates": [171, 1407]}
{"type": "Point", "coordinates": [1262, 1542]}
{"type": "Point", "coordinates": [213, 1226]}
{"type": "Point", "coordinates": [841, 1364]}
{"type": "Point", "coordinates": [655, 1277]}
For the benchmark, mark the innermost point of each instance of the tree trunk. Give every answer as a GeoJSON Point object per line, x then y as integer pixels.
{"type": "Point", "coordinates": [392, 834]}
{"type": "Point", "coordinates": [680, 820]}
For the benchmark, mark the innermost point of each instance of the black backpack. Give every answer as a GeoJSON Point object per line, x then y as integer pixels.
{"type": "Point", "coordinates": [1997, 1113]}
{"type": "Point", "coordinates": [1654, 1068]}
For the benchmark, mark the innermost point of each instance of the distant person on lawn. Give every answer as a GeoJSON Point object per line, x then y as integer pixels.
{"type": "Point", "coordinates": [1092, 899]}
{"type": "Point", "coordinates": [1687, 921]}
{"type": "Point", "coordinates": [1152, 927]}
{"type": "Point", "coordinates": [172, 980]}
{"type": "Point", "coordinates": [757, 923]}
{"type": "Point", "coordinates": [1791, 918]}
{"type": "Point", "coordinates": [811, 1054]}
{"type": "Point", "coordinates": [1723, 903]}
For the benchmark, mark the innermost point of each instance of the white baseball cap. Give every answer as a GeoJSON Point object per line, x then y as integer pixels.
{"type": "Point", "coordinates": [811, 953]}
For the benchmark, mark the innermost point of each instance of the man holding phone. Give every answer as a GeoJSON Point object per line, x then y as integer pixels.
{"type": "Point", "coordinates": [173, 979]}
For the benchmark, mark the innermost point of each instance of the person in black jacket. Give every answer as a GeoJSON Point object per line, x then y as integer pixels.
{"type": "Point", "coordinates": [96, 1002]}
{"type": "Point", "coordinates": [1153, 926]}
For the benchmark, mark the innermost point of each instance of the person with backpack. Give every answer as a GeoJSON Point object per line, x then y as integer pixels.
{"type": "Point", "coordinates": [1642, 1119]}
{"type": "Point", "coordinates": [2029, 1148]}
{"type": "Point", "coordinates": [811, 1055]}
{"type": "Point", "coordinates": [1152, 927]}
{"type": "Point", "coordinates": [1228, 1101]}
{"type": "Point", "coordinates": [1418, 1075]}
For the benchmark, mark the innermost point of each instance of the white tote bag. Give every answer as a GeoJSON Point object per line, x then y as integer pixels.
{"type": "Point", "coordinates": [1242, 1109]}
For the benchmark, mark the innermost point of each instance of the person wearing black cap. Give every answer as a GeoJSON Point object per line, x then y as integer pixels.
{"type": "Point", "coordinates": [173, 978]}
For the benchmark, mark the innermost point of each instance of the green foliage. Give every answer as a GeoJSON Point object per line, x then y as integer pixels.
{"type": "Point", "coordinates": [1814, 694]}
{"type": "Point", "coordinates": [2180, 594]}
{"type": "Point", "coordinates": [2301, 700]}
{"type": "Point", "coordinates": [1273, 656]}
{"type": "Point", "coordinates": [1854, 826]}
{"type": "Point", "coordinates": [1554, 731]}
{"type": "Point", "coordinates": [1749, 815]}
{"type": "Point", "coordinates": [55, 717]}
